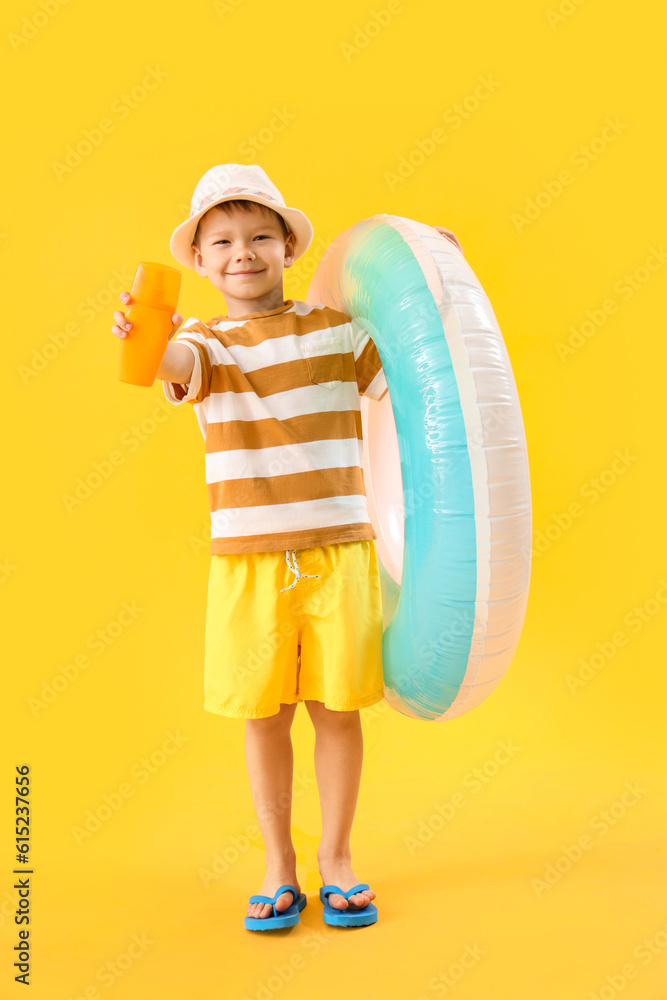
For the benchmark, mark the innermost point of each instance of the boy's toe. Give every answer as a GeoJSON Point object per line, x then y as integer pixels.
{"type": "Point", "coordinates": [337, 901]}
{"type": "Point", "coordinates": [284, 900]}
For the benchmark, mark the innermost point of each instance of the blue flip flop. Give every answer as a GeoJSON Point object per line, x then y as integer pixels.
{"type": "Point", "coordinates": [280, 918]}
{"type": "Point", "coordinates": [353, 916]}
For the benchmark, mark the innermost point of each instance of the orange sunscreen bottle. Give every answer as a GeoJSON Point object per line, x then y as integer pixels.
{"type": "Point", "coordinates": [154, 298]}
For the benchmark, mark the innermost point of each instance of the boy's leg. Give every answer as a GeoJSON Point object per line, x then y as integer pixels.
{"type": "Point", "coordinates": [270, 763]}
{"type": "Point", "coordinates": [339, 749]}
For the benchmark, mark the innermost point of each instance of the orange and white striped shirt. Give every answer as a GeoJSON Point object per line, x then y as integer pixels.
{"type": "Point", "coordinates": [276, 395]}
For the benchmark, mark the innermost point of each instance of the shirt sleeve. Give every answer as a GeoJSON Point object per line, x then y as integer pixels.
{"type": "Point", "coordinates": [370, 374]}
{"type": "Point", "coordinates": [193, 335]}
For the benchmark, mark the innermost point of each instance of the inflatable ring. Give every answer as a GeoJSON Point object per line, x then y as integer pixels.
{"type": "Point", "coordinates": [445, 464]}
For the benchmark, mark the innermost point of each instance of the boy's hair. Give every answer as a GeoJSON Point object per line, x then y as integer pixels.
{"type": "Point", "coordinates": [245, 206]}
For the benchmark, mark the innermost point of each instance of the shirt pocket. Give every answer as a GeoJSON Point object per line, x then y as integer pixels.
{"type": "Point", "coordinates": [324, 361]}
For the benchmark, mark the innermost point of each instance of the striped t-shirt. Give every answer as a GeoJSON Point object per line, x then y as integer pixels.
{"type": "Point", "coordinates": [276, 395]}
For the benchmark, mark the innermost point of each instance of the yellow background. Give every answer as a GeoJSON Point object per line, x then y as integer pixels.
{"type": "Point", "coordinates": [142, 535]}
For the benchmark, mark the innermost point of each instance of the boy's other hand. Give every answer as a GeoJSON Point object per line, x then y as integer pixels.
{"type": "Point", "coordinates": [122, 325]}
{"type": "Point", "coordinates": [448, 234]}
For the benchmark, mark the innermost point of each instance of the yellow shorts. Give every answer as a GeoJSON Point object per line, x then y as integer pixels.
{"type": "Point", "coordinates": [289, 626]}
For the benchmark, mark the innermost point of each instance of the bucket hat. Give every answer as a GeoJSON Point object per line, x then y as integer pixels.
{"type": "Point", "coordinates": [229, 181]}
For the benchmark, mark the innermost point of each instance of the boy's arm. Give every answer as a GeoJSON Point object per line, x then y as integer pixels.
{"type": "Point", "coordinates": [177, 364]}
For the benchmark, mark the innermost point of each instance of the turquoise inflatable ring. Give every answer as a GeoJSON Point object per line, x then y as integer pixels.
{"type": "Point", "coordinates": [445, 464]}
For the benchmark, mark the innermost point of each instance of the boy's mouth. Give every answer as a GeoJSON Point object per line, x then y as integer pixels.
{"type": "Point", "coordinates": [245, 272]}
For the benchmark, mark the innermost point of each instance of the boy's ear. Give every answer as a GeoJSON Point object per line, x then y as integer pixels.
{"type": "Point", "coordinates": [198, 261]}
{"type": "Point", "coordinates": [289, 249]}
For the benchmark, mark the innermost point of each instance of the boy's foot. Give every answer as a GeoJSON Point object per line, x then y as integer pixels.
{"type": "Point", "coordinates": [272, 882]}
{"type": "Point", "coordinates": [340, 873]}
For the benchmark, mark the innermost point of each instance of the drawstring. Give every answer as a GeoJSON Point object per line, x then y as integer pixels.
{"type": "Point", "coordinates": [295, 569]}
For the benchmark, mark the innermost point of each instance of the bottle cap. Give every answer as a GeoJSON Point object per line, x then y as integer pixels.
{"type": "Point", "coordinates": [156, 285]}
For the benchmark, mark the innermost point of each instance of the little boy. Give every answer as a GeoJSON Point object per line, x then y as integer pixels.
{"type": "Point", "coordinates": [275, 387]}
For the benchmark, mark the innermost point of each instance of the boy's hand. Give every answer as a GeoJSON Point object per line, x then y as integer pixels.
{"type": "Point", "coordinates": [122, 325]}
{"type": "Point", "coordinates": [448, 234]}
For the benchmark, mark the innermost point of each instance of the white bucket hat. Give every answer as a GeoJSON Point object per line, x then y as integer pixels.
{"type": "Point", "coordinates": [228, 181]}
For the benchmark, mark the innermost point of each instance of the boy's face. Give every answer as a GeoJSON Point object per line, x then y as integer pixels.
{"type": "Point", "coordinates": [243, 255]}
